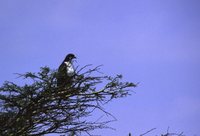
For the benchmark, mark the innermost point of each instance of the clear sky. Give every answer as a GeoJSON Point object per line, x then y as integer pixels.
{"type": "Point", "coordinates": [154, 42]}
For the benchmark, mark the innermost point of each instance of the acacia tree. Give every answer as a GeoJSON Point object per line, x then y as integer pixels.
{"type": "Point", "coordinates": [40, 107]}
{"type": "Point", "coordinates": [164, 134]}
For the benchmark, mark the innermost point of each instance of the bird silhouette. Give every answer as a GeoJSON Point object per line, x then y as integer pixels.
{"type": "Point", "coordinates": [66, 71]}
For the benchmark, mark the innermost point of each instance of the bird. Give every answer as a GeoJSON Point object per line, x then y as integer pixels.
{"type": "Point", "coordinates": [66, 71]}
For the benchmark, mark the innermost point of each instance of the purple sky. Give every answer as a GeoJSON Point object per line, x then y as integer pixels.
{"type": "Point", "coordinates": [156, 43]}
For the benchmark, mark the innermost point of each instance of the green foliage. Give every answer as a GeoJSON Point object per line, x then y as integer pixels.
{"type": "Point", "coordinates": [41, 107]}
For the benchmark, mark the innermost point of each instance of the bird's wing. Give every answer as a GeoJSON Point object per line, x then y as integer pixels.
{"type": "Point", "coordinates": [62, 70]}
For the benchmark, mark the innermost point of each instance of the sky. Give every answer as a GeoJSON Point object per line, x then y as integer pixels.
{"type": "Point", "coordinates": [154, 42]}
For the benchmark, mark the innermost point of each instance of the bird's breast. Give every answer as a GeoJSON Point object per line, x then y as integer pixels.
{"type": "Point", "coordinates": [70, 69]}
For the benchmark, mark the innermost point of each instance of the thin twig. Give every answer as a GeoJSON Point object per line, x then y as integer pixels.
{"type": "Point", "coordinates": [148, 132]}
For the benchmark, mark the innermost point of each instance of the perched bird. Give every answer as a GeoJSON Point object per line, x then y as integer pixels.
{"type": "Point", "coordinates": [66, 71]}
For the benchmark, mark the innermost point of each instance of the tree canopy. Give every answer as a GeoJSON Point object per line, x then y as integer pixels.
{"type": "Point", "coordinates": [41, 107]}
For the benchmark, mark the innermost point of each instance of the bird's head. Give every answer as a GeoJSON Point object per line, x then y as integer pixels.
{"type": "Point", "coordinates": [70, 57]}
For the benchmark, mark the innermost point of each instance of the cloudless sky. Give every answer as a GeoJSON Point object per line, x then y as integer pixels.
{"type": "Point", "coordinates": [154, 42]}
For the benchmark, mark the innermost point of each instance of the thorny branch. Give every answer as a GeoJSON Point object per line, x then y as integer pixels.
{"type": "Point", "coordinates": [166, 134]}
{"type": "Point", "coordinates": [41, 107]}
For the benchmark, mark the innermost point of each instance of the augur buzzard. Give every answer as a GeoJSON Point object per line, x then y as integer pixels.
{"type": "Point", "coordinates": [66, 71]}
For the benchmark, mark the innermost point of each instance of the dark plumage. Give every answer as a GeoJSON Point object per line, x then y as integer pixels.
{"type": "Point", "coordinates": [66, 71]}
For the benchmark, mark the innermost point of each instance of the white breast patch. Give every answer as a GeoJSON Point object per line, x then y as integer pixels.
{"type": "Point", "coordinates": [70, 69]}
